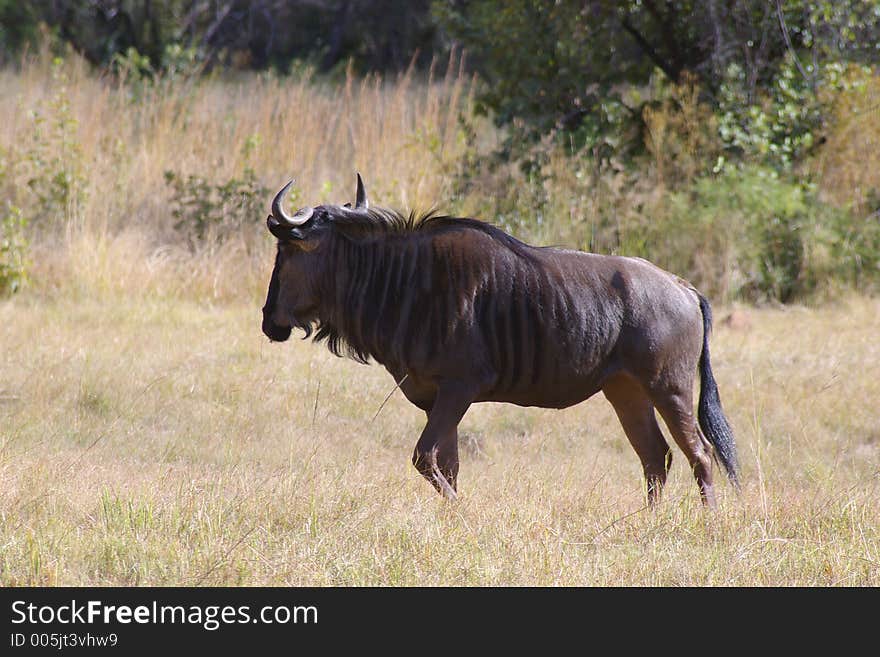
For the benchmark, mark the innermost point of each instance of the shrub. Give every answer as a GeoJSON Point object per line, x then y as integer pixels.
{"type": "Point", "coordinates": [855, 250]}
{"type": "Point", "coordinates": [208, 214]}
{"type": "Point", "coordinates": [777, 127]}
{"type": "Point", "coordinates": [13, 250]}
{"type": "Point", "coordinates": [52, 163]}
{"type": "Point", "coordinates": [754, 235]}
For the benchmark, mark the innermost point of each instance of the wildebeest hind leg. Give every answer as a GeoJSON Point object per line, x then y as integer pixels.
{"type": "Point", "coordinates": [677, 412]}
{"type": "Point", "coordinates": [636, 414]}
{"type": "Point", "coordinates": [436, 453]}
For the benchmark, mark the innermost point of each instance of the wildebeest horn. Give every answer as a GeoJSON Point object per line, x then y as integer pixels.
{"type": "Point", "coordinates": [361, 201]}
{"type": "Point", "coordinates": [301, 217]}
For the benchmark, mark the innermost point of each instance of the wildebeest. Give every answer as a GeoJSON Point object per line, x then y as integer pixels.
{"type": "Point", "coordinates": [458, 312]}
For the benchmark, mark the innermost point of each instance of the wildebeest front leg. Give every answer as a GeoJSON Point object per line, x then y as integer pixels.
{"type": "Point", "coordinates": [436, 453]}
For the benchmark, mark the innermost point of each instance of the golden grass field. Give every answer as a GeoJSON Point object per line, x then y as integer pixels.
{"type": "Point", "coordinates": [168, 443]}
{"type": "Point", "coordinates": [151, 435]}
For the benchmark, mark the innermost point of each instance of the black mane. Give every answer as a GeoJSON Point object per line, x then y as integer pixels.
{"type": "Point", "coordinates": [381, 222]}
{"type": "Point", "coordinates": [383, 263]}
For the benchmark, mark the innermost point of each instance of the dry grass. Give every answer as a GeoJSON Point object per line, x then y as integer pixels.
{"type": "Point", "coordinates": [149, 434]}
{"type": "Point", "coordinates": [848, 166]}
{"type": "Point", "coordinates": [166, 442]}
{"type": "Point", "coordinates": [114, 234]}
{"type": "Point", "coordinates": [282, 127]}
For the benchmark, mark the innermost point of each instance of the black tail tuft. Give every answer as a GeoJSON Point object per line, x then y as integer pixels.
{"type": "Point", "coordinates": [709, 412]}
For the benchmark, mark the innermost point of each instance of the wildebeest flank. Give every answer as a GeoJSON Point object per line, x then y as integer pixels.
{"type": "Point", "coordinates": [459, 312]}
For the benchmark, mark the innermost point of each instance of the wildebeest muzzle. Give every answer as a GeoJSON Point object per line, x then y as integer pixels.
{"type": "Point", "coordinates": [274, 332]}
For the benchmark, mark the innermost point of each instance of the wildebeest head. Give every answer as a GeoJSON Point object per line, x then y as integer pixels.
{"type": "Point", "coordinates": [294, 289]}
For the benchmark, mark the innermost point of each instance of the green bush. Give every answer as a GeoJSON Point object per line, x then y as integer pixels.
{"type": "Point", "coordinates": [208, 214]}
{"type": "Point", "coordinates": [43, 180]}
{"type": "Point", "coordinates": [13, 250]}
{"type": "Point", "coordinates": [856, 247]}
{"type": "Point", "coordinates": [752, 235]}
{"type": "Point", "coordinates": [782, 123]}
{"type": "Point", "coordinates": [52, 163]}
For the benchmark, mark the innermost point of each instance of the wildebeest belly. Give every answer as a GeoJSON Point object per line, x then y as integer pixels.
{"type": "Point", "coordinates": [549, 396]}
{"type": "Point", "coordinates": [551, 354]}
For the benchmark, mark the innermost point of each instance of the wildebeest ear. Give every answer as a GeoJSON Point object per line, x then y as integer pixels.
{"type": "Point", "coordinates": [361, 202]}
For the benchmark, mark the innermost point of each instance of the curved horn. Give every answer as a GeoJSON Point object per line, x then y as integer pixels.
{"type": "Point", "coordinates": [361, 201]}
{"type": "Point", "coordinates": [301, 217]}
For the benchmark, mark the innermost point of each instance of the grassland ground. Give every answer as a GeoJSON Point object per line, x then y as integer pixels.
{"type": "Point", "coordinates": [149, 440]}
{"type": "Point", "coordinates": [149, 433]}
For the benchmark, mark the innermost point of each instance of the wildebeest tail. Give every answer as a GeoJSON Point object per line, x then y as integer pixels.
{"type": "Point", "coordinates": [709, 412]}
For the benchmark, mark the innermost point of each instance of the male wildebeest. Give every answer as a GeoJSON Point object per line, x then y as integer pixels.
{"type": "Point", "coordinates": [458, 312]}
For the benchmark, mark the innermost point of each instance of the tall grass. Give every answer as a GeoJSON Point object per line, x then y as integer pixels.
{"type": "Point", "coordinates": [85, 161]}
{"type": "Point", "coordinates": [99, 148]}
{"type": "Point", "coordinates": [848, 166]}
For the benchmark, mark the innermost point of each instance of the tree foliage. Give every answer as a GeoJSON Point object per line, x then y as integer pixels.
{"type": "Point", "coordinates": [568, 66]}
{"type": "Point", "coordinates": [377, 34]}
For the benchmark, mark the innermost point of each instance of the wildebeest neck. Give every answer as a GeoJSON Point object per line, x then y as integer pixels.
{"type": "Point", "coordinates": [398, 294]}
